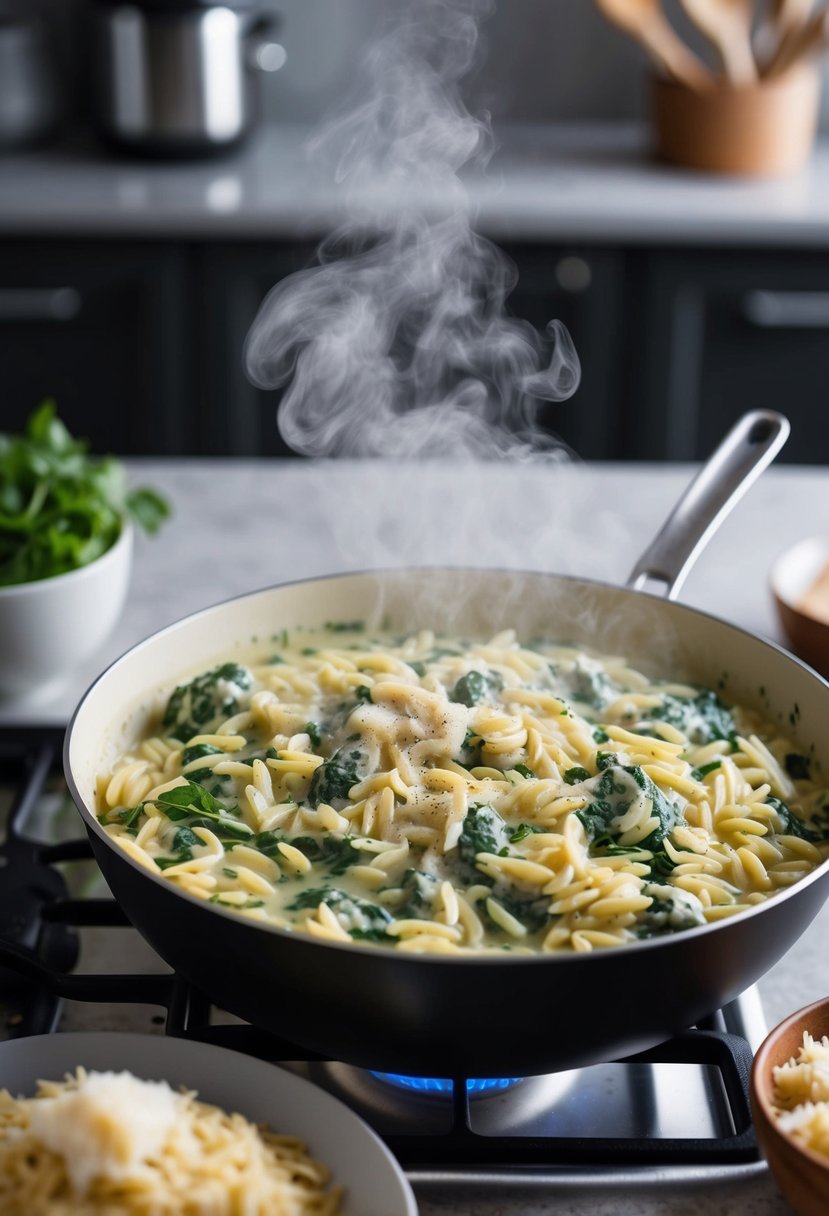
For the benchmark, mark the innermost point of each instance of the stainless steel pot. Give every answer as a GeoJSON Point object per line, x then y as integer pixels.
{"type": "Point", "coordinates": [487, 1015]}
{"type": "Point", "coordinates": [177, 78]}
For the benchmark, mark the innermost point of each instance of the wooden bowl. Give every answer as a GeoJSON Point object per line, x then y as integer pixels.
{"type": "Point", "coordinates": [801, 1174]}
{"type": "Point", "coordinates": [765, 129]}
{"type": "Point", "coordinates": [800, 586]}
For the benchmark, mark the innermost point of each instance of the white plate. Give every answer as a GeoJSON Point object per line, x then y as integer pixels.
{"type": "Point", "coordinates": [374, 1183]}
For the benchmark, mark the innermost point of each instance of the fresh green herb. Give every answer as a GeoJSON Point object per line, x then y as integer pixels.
{"type": "Point", "coordinates": [524, 771]}
{"type": "Point", "coordinates": [699, 773]}
{"type": "Point", "coordinates": [600, 735]}
{"type": "Point", "coordinates": [129, 818]}
{"type": "Point", "coordinates": [192, 802]}
{"type": "Point", "coordinates": [312, 730]}
{"type": "Point", "coordinates": [60, 508]}
{"type": "Point", "coordinates": [193, 708]}
{"type": "Point", "coordinates": [228, 873]}
{"type": "Point", "coordinates": [344, 626]}
{"type": "Point", "coordinates": [226, 903]}
{"type": "Point", "coordinates": [475, 686]}
{"type": "Point", "coordinates": [522, 831]}
{"type": "Point", "coordinates": [362, 694]}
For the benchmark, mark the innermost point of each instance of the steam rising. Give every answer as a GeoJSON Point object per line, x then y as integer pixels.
{"type": "Point", "coordinates": [396, 342]}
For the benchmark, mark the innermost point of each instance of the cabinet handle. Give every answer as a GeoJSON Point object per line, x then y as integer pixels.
{"type": "Point", "coordinates": [786, 309]}
{"type": "Point", "coordinates": [39, 303]}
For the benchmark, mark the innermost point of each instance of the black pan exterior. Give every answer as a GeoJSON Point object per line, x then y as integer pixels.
{"type": "Point", "coordinates": [479, 1016]}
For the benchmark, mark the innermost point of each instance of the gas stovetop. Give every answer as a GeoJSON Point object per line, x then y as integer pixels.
{"type": "Point", "coordinates": [69, 960]}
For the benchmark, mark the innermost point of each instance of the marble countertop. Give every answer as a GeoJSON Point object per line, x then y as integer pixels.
{"type": "Point", "coordinates": [240, 525]}
{"type": "Point", "coordinates": [579, 182]}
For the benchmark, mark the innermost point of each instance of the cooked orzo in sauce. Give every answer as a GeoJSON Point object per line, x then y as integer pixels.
{"type": "Point", "coordinates": [436, 794]}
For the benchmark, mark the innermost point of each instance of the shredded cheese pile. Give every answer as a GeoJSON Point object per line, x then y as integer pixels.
{"type": "Point", "coordinates": [108, 1143]}
{"type": "Point", "coordinates": [801, 1095]}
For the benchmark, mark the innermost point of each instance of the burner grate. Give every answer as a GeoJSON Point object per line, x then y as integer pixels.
{"type": "Point", "coordinates": [42, 922]}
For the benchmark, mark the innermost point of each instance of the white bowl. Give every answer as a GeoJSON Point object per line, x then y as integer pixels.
{"type": "Point", "coordinates": [374, 1182]}
{"type": "Point", "coordinates": [49, 627]}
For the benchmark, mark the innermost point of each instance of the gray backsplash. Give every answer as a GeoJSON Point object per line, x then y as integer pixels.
{"type": "Point", "coordinates": [543, 60]}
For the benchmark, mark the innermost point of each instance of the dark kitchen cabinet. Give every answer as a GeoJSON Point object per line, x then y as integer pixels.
{"type": "Point", "coordinates": [239, 419]}
{"type": "Point", "coordinates": [142, 343]}
{"type": "Point", "coordinates": [584, 288]}
{"type": "Point", "coordinates": [102, 328]}
{"type": "Point", "coordinates": [580, 287]}
{"type": "Point", "coordinates": [723, 332]}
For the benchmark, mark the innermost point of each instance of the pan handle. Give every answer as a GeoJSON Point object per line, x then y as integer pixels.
{"type": "Point", "coordinates": [747, 449]}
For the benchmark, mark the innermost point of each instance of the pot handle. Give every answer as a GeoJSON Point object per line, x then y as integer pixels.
{"type": "Point", "coordinates": [739, 460]}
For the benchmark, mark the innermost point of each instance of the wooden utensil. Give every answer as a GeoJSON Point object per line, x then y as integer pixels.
{"type": "Point", "coordinates": [803, 42]}
{"type": "Point", "coordinates": [787, 15]}
{"type": "Point", "coordinates": [778, 22]}
{"type": "Point", "coordinates": [645, 21]}
{"type": "Point", "coordinates": [727, 25]}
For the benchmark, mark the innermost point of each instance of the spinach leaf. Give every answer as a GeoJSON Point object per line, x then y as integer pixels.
{"type": "Point", "coordinates": [422, 889]}
{"type": "Point", "coordinates": [612, 796]}
{"type": "Point", "coordinates": [334, 777]}
{"type": "Point", "coordinates": [193, 708]}
{"type": "Point", "coordinates": [705, 769]}
{"type": "Point", "coordinates": [703, 718]}
{"type": "Point", "coordinates": [523, 830]}
{"type": "Point", "coordinates": [577, 773]}
{"type": "Point", "coordinates": [60, 509]}
{"type": "Point", "coordinates": [198, 752]}
{"type": "Point", "coordinates": [815, 830]}
{"type": "Point", "coordinates": [192, 802]}
{"type": "Point", "coordinates": [476, 686]}
{"type": "Point", "coordinates": [312, 730]}
{"type": "Point", "coordinates": [590, 685]}
{"type": "Point", "coordinates": [470, 755]}
{"type": "Point", "coordinates": [483, 831]}
{"type": "Point", "coordinates": [335, 853]}
{"type": "Point", "coordinates": [532, 913]}
{"type": "Point", "coordinates": [364, 921]}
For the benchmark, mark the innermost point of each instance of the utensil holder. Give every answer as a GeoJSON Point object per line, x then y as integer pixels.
{"type": "Point", "coordinates": [765, 129]}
